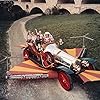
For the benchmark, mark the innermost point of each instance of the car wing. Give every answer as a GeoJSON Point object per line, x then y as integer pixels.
{"type": "Point", "coordinates": [90, 75]}
{"type": "Point", "coordinates": [76, 52]}
{"type": "Point", "coordinates": [30, 69]}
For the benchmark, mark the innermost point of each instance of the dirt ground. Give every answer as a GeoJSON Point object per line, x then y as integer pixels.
{"type": "Point", "coordinates": [46, 89]}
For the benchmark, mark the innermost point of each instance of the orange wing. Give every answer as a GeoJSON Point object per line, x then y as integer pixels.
{"type": "Point", "coordinates": [75, 52]}
{"type": "Point", "coordinates": [27, 68]}
{"type": "Point", "coordinates": [90, 75]}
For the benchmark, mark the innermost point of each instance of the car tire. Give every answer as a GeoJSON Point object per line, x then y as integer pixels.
{"type": "Point", "coordinates": [65, 80]}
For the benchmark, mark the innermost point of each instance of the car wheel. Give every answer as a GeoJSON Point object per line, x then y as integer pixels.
{"type": "Point", "coordinates": [65, 80]}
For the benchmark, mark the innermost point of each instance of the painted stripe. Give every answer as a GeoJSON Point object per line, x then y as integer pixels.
{"type": "Point", "coordinates": [93, 74]}
{"type": "Point", "coordinates": [93, 71]}
{"type": "Point", "coordinates": [76, 52]}
{"type": "Point", "coordinates": [29, 62]}
{"type": "Point", "coordinates": [79, 52]}
{"type": "Point", "coordinates": [23, 69]}
{"type": "Point", "coordinates": [32, 63]}
{"type": "Point", "coordinates": [90, 77]}
{"type": "Point", "coordinates": [84, 78]}
{"type": "Point", "coordinates": [71, 51]}
{"type": "Point", "coordinates": [31, 66]}
{"type": "Point", "coordinates": [26, 66]}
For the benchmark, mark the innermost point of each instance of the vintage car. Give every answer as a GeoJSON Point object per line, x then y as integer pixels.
{"type": "Point", "coordinates": [64, 65]}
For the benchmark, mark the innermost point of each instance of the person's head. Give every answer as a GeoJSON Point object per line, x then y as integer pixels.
{"type": "Point", "coordinates": [38, 37]}
{"type": "Point", "coordinates": [46, 34]}
{"type": "Point", "coordinates": [32, 33]}
{"type": "Point", "coordinates": [44, 45]}
{"type": "Point", "coordinates": [40, 32]}
{"type": "Point", "coordinates": [60, 40]}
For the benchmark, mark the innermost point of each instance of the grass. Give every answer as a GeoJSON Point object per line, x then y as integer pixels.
{"type": "Point", "coordinates": [62, 26]}
{"type": "Point", "coordinates": [4, 46]}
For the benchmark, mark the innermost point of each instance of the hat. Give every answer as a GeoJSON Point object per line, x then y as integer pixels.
{"type": "Point", "coordinates": [47, 33]}
{"type": "Point", "coordinates": [40, 32]}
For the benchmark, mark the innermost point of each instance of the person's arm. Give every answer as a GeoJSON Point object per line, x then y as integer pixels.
{"type": "Point", "coordinates": [49, 66]}
{"type": "Point", "coordinates": [36, 31]}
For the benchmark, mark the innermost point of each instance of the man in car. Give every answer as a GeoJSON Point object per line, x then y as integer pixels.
{"type": "Point", "coordinates": [48, 38]}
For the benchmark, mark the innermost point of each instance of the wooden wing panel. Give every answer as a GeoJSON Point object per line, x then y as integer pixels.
{"type": "Point", "coordinates": [75, 52]}
{"type": "Point", "coordinates": [30, 69]}
{"type": "Point", "coordinates": [27, 67]}
{"type": "Point", "coordinates": [90, 75]}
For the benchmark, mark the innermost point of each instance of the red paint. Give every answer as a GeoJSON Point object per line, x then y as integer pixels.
{"type": "Point", "coordinates": [65, 81]}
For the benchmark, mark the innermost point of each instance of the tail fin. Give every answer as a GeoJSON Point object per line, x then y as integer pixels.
{"type": "Point", "coordinates": [90, 75]}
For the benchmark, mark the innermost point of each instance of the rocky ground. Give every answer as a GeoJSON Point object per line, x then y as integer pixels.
{"type": "Point", "coordinates": [47, 89]}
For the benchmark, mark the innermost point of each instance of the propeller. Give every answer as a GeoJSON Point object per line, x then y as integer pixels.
{"type": "Point", "coordinates": [84, 37]}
